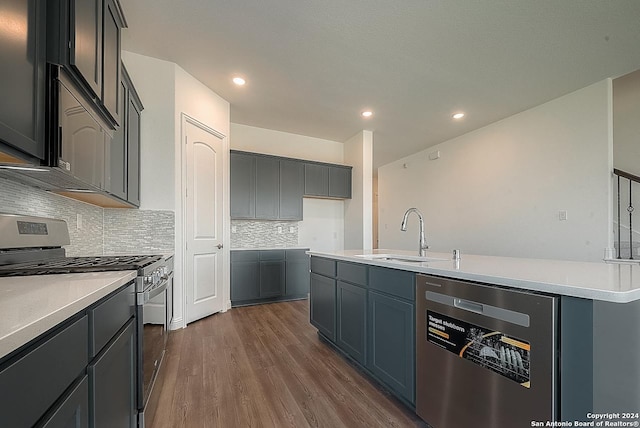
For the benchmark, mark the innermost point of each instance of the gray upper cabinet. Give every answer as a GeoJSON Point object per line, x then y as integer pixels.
{"type": "Point", "coordinates": [291, 189]}
{"type": "Point", "coordinates": [85, 38]}
{"type": "Point", "coordinates": [316, 180]}
{"type": "Point", "coordinates": [340, 182]}
{"type": "Point", "coordinates": [23, 82]}
{"type": "Point", "coordinates": [85, 45]}
{"type": "Point", "coordinates": [267, 188]}
{"type": "Point", "coordinates": [327, 181]}
{"type": "Point", "coordinates": [123, 151]}
{"type": "Point", "coordinates": [111, 60]}
{"type": "Point", "coordinates": [243, 185]}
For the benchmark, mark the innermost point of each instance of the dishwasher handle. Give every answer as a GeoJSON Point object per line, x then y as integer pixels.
{"type": "Point", "coordinates": [468, 306]}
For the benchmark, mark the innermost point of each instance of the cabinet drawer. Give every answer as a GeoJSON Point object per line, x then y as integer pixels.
{"type": "Point", "coordinates": [109, 316]}
{"type": "Point", "coordinates": [74, 410]}
{"type": "Point", "coordinates": [353, 272]}
{"type": "Point", "coordinates": [296, 255]}
{"type": "Point", "coordinates": [34, 382]}
{"type": "Point", "coordinates": [245, 256]}
{"type": "Point", "coordinates": [398, 283]}
{"type": "Point", "coordinates": [322, 266]}
{"type": "Point", "coordinates": [272, 255]}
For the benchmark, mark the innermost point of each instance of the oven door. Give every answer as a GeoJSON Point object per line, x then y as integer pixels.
{"type": "Point", "coordinates": [152, 338]}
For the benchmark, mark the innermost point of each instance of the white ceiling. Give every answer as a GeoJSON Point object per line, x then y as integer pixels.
{"type": "Point", "coordinates": [313, 65]}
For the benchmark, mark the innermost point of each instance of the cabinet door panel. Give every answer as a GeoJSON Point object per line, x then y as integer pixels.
{"type": "Point", "coordinates": [86, 33]}
{"type": "Point", "coordinates": [323, 305]}
{"type": "Point", "coordinates": [113, 383]}
{"type": "Point", "coordinates": [117, 170]}
{"type": "Point", "coordinates": [39, 378]}
{"type": "Point", "coordinates": [73, 412]}
{"type": "Point", "coordinates": [133, 151]}
{"type": "Point", "coordinates": [245, 281]}
{"type": "Point", "coordinates": [243, 186]}
{"type": "Point", "coordinates": [339, 182]}
{"type": "Point", "coordinates": [297, 273]}
{"type": "Point", "coordinates": [267, 190]}
{"type": "Point", "coordinates": [352, 320]}
{"type": "Point", "coordinates": [391, 343]}
{"type": "Point", "coordinates": [271, 278]}
{"type": "Point", "coordinates": [316, 180]}
{"type": "Point", "coordinates": [291, 189]}
{"type": "Point", "coordinates": [111, 61]}
{"type": "Point", "coordinates": [23, 82]}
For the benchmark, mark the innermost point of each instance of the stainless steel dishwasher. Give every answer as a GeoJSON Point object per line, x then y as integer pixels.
{"type": "Point", "coordinates": [486, 356]}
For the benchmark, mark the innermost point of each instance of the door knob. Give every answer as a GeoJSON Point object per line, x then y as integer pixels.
{"type": "Point", "coordinates": [219, 246]}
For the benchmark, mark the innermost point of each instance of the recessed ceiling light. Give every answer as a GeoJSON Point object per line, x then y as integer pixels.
{"type": "Point", "coordinates": [239, 81]}
{"type": "Point", "coordinates": [458, 116]}
{"type": "Point", "coordinates": [367, 113]}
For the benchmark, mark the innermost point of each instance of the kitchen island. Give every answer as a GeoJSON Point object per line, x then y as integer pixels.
{"type": "Point", "coordinates": [360, 303]}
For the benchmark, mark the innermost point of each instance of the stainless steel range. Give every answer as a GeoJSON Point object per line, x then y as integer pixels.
{"type": "Point", "coordinates": [34, 246]}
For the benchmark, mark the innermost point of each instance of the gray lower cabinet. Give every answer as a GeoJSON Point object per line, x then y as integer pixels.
{"type": "Point", "coordinates": [323, 305]}
{"type": "Point", "coordinates": [351, 332]}
{"type": "Point", "coordinates": [245, 276]}
{"type": "Point", "coordinates": [271, 278]}
{"type": "Point", "coordinates": [113, 383]}
{"type": "Point", "coordinates": [259, 276]}
{"type": "Point", "coordinates": [391, 355]}
{"type": "Point", "coordinates": [368, 312]}
{"type": "Point", "coordinates": [297, 273]}
{"type": "Point", "coordinates": [57, 381]}
{"type": "Point", "coordinates": [73, 412]}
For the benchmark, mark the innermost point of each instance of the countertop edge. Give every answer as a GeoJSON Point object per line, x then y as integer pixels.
{"type": "Point", "coordinates": [544, 287]}
{"type": "Point", "coordinates": [19, 337]}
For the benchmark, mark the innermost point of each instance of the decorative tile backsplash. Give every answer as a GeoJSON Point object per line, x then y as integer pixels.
{"type": "Point", "coordinates": [138, 231]}
{"type": "Point", "coordinates": [255, 233]}
{"type": "Point", "coordinates": [93, 231]}
{"type": "Point", "coordinates": [86, 236]}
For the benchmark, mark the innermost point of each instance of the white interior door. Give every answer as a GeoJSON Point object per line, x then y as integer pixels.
{"type": "Point", "coordinates": [204, 221]}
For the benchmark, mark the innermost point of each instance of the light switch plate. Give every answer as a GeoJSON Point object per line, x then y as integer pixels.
{"type": "Point", "coordinates": [562, 215]}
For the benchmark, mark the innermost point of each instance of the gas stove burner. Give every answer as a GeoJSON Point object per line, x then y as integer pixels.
{"type": "Point", "coordinates": [79, 265]}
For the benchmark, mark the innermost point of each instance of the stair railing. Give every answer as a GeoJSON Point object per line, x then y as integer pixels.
{"type": "Point", "coordinates": [630, 208]}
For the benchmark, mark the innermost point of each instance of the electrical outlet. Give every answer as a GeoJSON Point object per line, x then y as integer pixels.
{"type": "Point", "coordinates": [562, 215]}
{"type": "Point", "coordinates": [234, 229]}
{"type": "Point", "coordinates": [279, 229]}
{"type": "Point", "coordinates": [292, 229]}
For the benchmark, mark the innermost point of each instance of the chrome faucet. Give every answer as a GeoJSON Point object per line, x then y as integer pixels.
{"type": "Point", "coordinates": [403, 227]}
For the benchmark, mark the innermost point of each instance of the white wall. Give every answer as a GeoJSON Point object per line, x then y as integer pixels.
{"type": "Point", "coordinates": [626, 123]}
{"type": "Point", "coordinates": [154, 80]}
{"type": "Point", "coordinates": [323, 226]}
{"type": "Point", "coordinates": [498, 190]}
{"type": "Point", "coordinates": [277, 143]}
{"type": "Point", "coordinates": [358, 211]}
{"type": "Point", "coordinates": [167, 91]}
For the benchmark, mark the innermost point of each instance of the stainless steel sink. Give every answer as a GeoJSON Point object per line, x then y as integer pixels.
{"type": "Point", "coordinates": [400, 258]}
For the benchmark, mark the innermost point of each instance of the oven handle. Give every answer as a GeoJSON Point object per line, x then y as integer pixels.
{"type": "Point", "coordinates": [145, 296]}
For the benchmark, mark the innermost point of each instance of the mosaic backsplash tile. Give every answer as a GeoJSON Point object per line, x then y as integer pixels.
{"type": "Point", "coordinates": [94, 231]}
{"type": "Point", "coordinates": [138, 231]}
{"type": "Point", "coordinates": [85, 236]}
{"type": "Point", "coordinates": [255, 234]}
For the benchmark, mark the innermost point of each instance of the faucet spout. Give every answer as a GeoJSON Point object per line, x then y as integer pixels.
{"type": "Point", "coordinates": [422, 249]}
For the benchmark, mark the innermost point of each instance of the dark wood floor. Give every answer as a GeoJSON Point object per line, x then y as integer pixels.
{"type": "Point", "coordinates": [265, 366]}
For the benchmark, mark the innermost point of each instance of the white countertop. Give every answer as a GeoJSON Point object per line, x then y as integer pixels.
{"type": "Point", "coordinates": [31, 305]}
{"type": "Point", "coordinates": [619, 283]}
{"type": "Point", "coordinates": [269, 248]}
